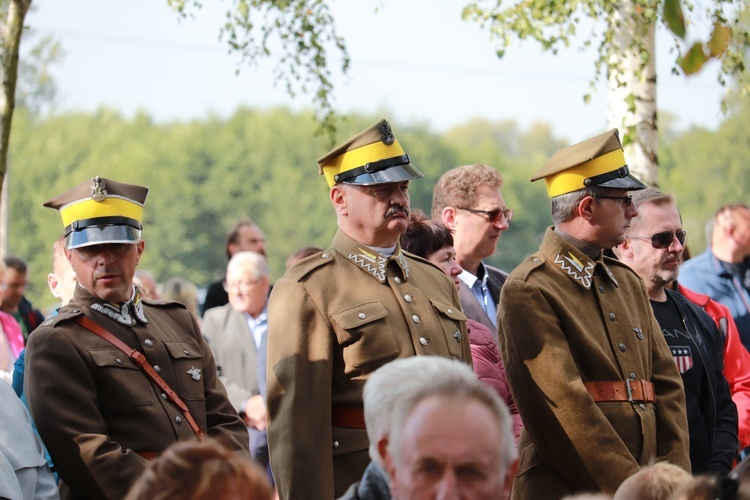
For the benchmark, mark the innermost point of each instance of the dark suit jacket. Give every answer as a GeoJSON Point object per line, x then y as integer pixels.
{"type": "Point", "coordinates": [471, 306]}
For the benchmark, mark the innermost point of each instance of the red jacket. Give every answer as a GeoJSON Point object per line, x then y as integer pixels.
{"type": "Point", "coordinates": [490, 369]}
{"type": "Point", "coordinates": [736, 359]}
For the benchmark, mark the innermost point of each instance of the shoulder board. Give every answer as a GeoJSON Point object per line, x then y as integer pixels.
{"type": "Point", "coordinates": [309, 264]}
{"type": "Point", "coordinates": [528, 266]}
{"type": "Point", "coordinates": [421, 260]}
{"type": "Point", "coordinates": [66, 313]}
{"type": "Point", "coordinates": [163, 303]}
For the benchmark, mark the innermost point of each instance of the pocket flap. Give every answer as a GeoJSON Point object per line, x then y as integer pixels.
{"type": "Point", "coordinates": [360, 315]}
{"type": "Point", "coordinates": [450, 310]}
{"type": "Point", "coordinates": [183, 349]}
{"type": "Point", "coordinates": [112, 357]}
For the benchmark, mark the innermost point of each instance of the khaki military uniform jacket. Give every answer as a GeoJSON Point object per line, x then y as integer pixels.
{"type": "Point", "coordinates": [566, 319]}
{"type": "Point", "coordinates": [334, 318]}
{"type": "Point", "coordinates": [96, 410]}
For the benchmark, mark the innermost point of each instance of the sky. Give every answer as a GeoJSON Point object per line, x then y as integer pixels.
{"type": "Point", "coordinates": [412, 61]}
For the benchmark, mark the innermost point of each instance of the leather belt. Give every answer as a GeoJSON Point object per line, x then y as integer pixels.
{"type": "Point", "coordinates": [348, 416]}
{"type": "Point", "coordinates": [635, 391]}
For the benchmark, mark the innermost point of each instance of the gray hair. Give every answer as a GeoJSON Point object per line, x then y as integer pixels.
{"type": "Point", "coordinates": [448, 379]}
{"type": "Point", "coordinates": [563, 207]}
{"type": "Point", "coordinates": [253, 261]}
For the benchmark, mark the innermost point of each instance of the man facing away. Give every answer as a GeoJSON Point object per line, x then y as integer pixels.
{"type": "Point", "coordinates": [468, 201]}
{"type": "Point", "coordinates": [723, 271]}
{"type": "Point", "coordinates": [237, 335]}
{"type": "Point", "coordinates": [653, 248]}
{"type": "Point", "coordinates": [113, 380]}
{"type": "Point", "coordinates": [335, 319]}
{"type": "Point", "coordinates": [588, 366]}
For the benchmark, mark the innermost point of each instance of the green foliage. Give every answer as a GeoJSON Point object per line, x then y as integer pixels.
{"type": "Point", "coordinates": [299, 34]}
{"type": "Point", "coordinates": [205, 174]}
{"type": "Point", "coordinates": [555, 24]}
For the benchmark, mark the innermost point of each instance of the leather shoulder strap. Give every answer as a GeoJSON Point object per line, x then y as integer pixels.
{"type": "Point", "coordinates": [140, 360]}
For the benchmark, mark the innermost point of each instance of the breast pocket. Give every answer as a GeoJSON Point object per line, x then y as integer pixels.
{"type": "Point", "coordinates": [187, 361]}
{"type": "Point", "coordinates": [453, 321]}
{"type": "Point", "coordinates": [121, 382]}
{"type": "Point", "coordinates": [365, 336]}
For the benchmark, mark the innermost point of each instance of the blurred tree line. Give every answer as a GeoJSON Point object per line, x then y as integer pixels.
{"type": "Point", "coordinates": [205, 174]}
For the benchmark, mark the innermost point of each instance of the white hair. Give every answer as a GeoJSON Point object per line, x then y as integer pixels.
{"type": "Point", "coordinates": [253, 261]}
{"type": "Point", "coordinates": [410, 381]}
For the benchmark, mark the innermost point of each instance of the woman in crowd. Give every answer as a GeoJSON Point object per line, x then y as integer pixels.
{"type": "Point", "coordinates": [433, 241]}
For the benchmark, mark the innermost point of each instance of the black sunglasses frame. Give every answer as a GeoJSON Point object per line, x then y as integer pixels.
{"type": "Point", "coordinates": [663, 240]}
{"type": "Point", "coordinates": [626, 200]}
{"type": "Point", "coordinates": [493, 215]}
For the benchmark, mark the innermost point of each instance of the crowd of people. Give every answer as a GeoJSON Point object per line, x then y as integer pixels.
{"type": "Point", "coordinates": [395, 363]}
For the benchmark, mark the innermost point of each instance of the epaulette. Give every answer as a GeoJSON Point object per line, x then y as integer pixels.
{"type": "Point", "coordinates": [163, 303]}
{"type": "Point", "coordinates": [309, 264]}
{"type": "Point", "coordinates": [528, 266]}
{"type": "Point", "coordinates": [65, 314]}
{"type": "Point", "coordinates": [422, 260]}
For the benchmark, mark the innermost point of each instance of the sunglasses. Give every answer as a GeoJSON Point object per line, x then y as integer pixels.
{"type": "Point", "coordinates": [665, 239]}
{"type": "Point", "coordinates": [626, 200]}
{"type": "Point", "coordinates": [494, 216]}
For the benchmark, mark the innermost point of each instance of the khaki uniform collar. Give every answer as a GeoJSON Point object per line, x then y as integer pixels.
{"type": "Point", "coordinates": [571, 261]}
{"type": "Point", "coordinates": [370, 261]}
{"type": "Point", "coordinates": [126, 313]}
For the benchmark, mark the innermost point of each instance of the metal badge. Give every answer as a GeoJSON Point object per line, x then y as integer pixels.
{"type": "Point", "coordinates": [194, 372]}
{"type": "Point", "coordinates": [385, 133]}
{"type": "Point", "coordinates": [457, 336]}
{"type": "Point", "coordinates": [98, 193]}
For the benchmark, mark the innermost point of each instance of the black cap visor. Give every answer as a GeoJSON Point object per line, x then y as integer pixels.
{"type": "Point", "coordinates": [397, 173]}
{"type": "Point", "coordinates": [100, 235]}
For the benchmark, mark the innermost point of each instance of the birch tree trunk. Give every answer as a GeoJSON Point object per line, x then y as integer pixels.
{"type": "Point", "coordinates": [11, 30]}
{"type": "Point", "coordinates": [631, 92]}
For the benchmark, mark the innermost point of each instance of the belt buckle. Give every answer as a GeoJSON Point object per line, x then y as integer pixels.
{"type": "Point", "coordinates": [630, 390]}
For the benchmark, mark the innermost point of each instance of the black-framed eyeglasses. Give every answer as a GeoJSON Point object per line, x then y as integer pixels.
{"type": "Point", "coordinates": [494, 216]}
{"type": "Point", "coordinates": [626, 200]}
{"type": "Point", "coordinates": [665, 239]}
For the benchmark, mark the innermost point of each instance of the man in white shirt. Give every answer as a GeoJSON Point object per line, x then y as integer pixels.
{"type": "Point", "coordinates": [468, 201]}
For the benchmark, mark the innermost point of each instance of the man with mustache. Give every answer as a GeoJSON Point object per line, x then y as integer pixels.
{"type": "Point", "coordinates": [114, 379]}
{"type": "Point", "coordinates": [653, 247]}
{"type": "Point", "coordinates": [338, 315]}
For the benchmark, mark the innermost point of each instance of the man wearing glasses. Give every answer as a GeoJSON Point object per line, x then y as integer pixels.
{"type": "Point", "coordinates": [339, 315]}
{"type": "Point", "coordinates": [468, 201]}
{"type": "Point", "coordinates": [594, 380]}
{"type": "Point", "coordinates": [653, 248]}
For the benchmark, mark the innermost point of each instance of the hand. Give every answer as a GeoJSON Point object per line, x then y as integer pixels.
{"type": "Point", "coordinates": [255, 412]}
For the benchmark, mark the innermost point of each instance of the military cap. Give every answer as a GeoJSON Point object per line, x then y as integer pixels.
{"type": "Point", "coordinates": [99, 211]}
{"type": "Point", "coordinates": [373, 156]}
{"type": "Point", "coordinates": [596, 162]}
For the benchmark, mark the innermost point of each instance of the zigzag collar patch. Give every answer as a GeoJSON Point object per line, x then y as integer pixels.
{"type": "Point", "coordinates": [375, 264]}
{"type": "Point", "coordinates": [576, 269]}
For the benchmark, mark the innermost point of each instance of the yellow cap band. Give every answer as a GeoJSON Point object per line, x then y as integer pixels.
{"type": "Point", "coordinates": [572, 179]}
{"type": "Point", "coordinates": [109, 207]}
{"type": "Point", "coordinates": [358, 157]}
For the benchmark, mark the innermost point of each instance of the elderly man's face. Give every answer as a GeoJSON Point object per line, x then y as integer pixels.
{"type": "Point", "coordinates": [450, 449]}
{"type": "Point", "coordinates": [106, 271]}
{"type": "Point", "coordinates": [247, 294]}
{"type": "Point", "coordinates": [373, 215]}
